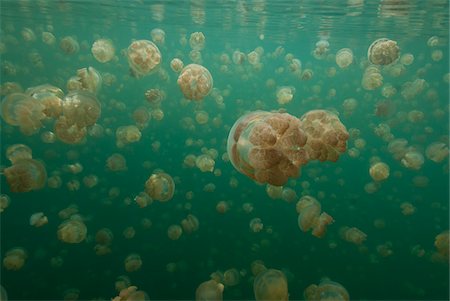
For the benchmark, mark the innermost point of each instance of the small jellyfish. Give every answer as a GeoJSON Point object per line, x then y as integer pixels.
{"type": "Point", "coordinates": [327, 290]}
{"type": "Point", "coordinates": [155, 96]}
{"type": "Point", "coordinates": [344, 58]}
{"type": "Point", "coordinates": [127, 134]}
{"type": "Point", "coordinates": [143, 57]}
{"type": "Point", "coordinates": [143, 199]}
{"type": "Point", "coordinates": [197, 40]}
{"type": "Point", "coordinates": [81, 108]}
{"type": "Point", "coordinates": [158, 36]}
{"type": "Point", "coordinates": [201, 117]}
{"type": "Point", "coordinates": [15, 259]}
{"type": "Point", "coordinates": [270, 285]}
{"type": "Point", "coordinates": [88, 79]}
{"type": "Point", "coordinates": [256, 225]}
{"type": "Point", "coordinates": [176, 65]}
{"type": "Point", "coordinates": [174, 232]}
{"type": "Point", "coordinates": [231, 277]}
{"type": "Point", "coordinates": [104, 236]}
{"type": "Point", "coordinates": [190, 224]}
{"type": "Point", "coordinates": [372, 78]}
{"type": "Point", "coordinates": [160, 186]}
{"type": "Point", "coordinates": [437, 152]}
{"type": "Point", "coordinates": [25, 175]}
{"type": "Point", "coordinates": [5, 200]}
{"type": "Point", "coordinates": [379, 171]}
{"type": "Point", "coordinates": [72, 231]}
{"type": "Point", "coordinates": [133, 262]}
{"type": "Point", "coordinates": [412, 160]}
{"type": "Point", "coordinates": [441, 242]}
{"type": "Point", "coordinates": [195, 82]}
{"type": "Point", "coordinates": [285, 95]}
{"type": "Point", "coordinates": [310, 216]}
{"type": "Point", "coordinates": [210, 290]}
{"type": "Point", "coordinates": [116, 162]}
{"type": "Point", "coordinates": [17, 152]}
{"type": "Point", "coordinates": [383, 52]}
{"type": "Point", "coordinates": [103, 50]}
{"type": "Point", "coordinates": [205, 163]}
{"type": "Point", "coordinates": [48, 38]}
{"type": "Point", "coordinates": [353, 235]}
{"type": "Point", "coordinates": [69, 45]}
{"type": "Point", "coordinates": [38, 219]}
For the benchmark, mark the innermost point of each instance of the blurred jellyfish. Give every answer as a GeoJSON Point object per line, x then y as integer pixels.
{"type": "Point", "coordinates": [197, 40]}
{"type": "Point", "coordinates": [195, 82]}
{"type": "Point", "coordinates": [205, 163]}
{"type": "Point", "coordinates": [17, 152]}
{"type": "Point", "coordinates": [116, 162]}
{"type": "Point", "coordinates": [285, 95]}
{"type": "Point", "coordinates": [231, 277]}
{"type": "Point", "coordinates": [407, 59]}
{"type": "Point", "coordinates": [127, 134]}
{"type": "Point", "coordinates": [25, 175]}
{"type": "Point", "coordinates": [190, 224]}
{"type": "Point", "coordinates": [311, 218]}
{"type": "Point", "coordinates": [72, 231]}
{"type": "Point", "coordinates": [158, 36]}
{"type": "Point", "coordinates": [143, 199]}
{"type": "Point", "coordinates": [103, 50]}
{"type": "Point", "coordinates": [69, 45]}
{"type": "Point", "coordinates": [407, 208]}
{"type": "Point", "coordinates": [133, 262]}
{"type": "Point", "coordinates": [104, 236]}
{"type": "Point", "coordinates": [38, 219]}
{"type": "Point", "coordinates": [412, 160]}
{"type": "Point", "coordinates": [353, 235]}
{"type": "Point", "coordinates": [441, 242]}
{"type": "Point", "coordinates": [327, 290]}
{"type": "Point", "coordinates": [174, 232]}
{"type": "Point", "coordinates": [209, 291]}
{"type": "Point", "coordinates": [379, 171]}
{"type": "Point", "coordinates": [372, 78]}
{"type": "Point", "coordinates": [256, 225]}
{"type": "Point", "coordinates": [437, 152]}
{"type": "Point", "coordinates": [176, 65]}
{"type": "Point", "coordinates": [160, 186]}
{"type": "Point", "coordinates": [271, 285]}
{"type": "Point", "coordinates": [48, 38]}
{"type": "Point", "coordinates": [383, 52]}
{"type": "Point", "coordinates": [5, 200]}
{"type": "Point", "coordinates": [349, 106]}
{"type": "Point", "coordinates": [222, 207]}
{"type": "Point", "coordinates": [50, 96]}
{"type": "Point", "coordinates": [155, 96]}
{"type": "Point", "coordinates": [344, 57]}
{"type": "Point", "coordinates": [143, 57]}
{"type": "Point", "coordinates": [15, 259]}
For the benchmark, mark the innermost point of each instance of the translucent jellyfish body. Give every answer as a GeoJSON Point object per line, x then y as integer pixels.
{"type": "Point", "coordinates": [15, 259]}
{"type": "Point", "coordinates": [69, 45]}
{"type": "Point", "coordinates": [205, 163]}
{"type": "Point", "coordinates": [285, 95]}
{"type": "Point", "coordinates": [127, 134]}
{"type": "Point", "coordinates": [209, 291]}
{"type": "Point", "coordinates": [437, 152]}
{"type": "Point", "coordinates": [116, 162]}
{"type": "Point", "coordinates": [50, 96]}
{"type": "Point", "coordinates": [38, 219]}
{"type": "Point", "coordinates": [81, 108]}
{"type": "Point", "coordinates": [327, 290]}
{"type": "Point", "coordinates": [197, 40]}
{"type": "Point", "coordinates": [441, 242]}
{"type": "Point", "coordinates": [143, 57]}
{"type": "Point", "coordinates": [327, 136]}
{"type": "Point", "coordinates": [88, 79]}
{"type": "Point", "coordinates": [353, 235]}
{"type": "Point", "coordinates": [344, 57]}
{"type": "Point", "coordinates": [379, 171]}
{"type": "Point", "coordinates": [103, 50]}
{"type": "Point", "coordinates": [133, 262]}
{"type": "Point", "coordinates": [383, 52]}
{"type": "Point", "coordinates": [5, 200]}
{"type": "Point", "coordinates": [176, 65]}
{"type": "Point", "coordinates": [267, 147]}
{"type": "Point", "coordinates": [25, 175]}
{"type": "Point", "coordinates": [17, 152]}
{"type": "Point", "coordinates": [195, 82]}
{"type": "Point", "coordinates": [160, 186]}
{"type": "Point", "coordinates": [269, 285]}
{"type": "Point", "coordinates": [372, 78]}
{"type": "Point", "coordinates": [311, 218]}
{"type": "Point", "coordinates": [72, 231]}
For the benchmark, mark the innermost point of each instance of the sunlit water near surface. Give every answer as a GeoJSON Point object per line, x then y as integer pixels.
{"type": "Point", "coordinates": [252, 49]}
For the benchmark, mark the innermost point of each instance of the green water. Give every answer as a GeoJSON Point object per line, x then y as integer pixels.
{"type": "Point", "coordinates": [225, 241]}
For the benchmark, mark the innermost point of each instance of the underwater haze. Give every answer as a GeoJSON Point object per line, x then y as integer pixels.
{"type": "Point", "coordinates": [224, 150]}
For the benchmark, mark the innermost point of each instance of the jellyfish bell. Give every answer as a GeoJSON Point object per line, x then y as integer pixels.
{"type": "Point", "coordinates": [38, 219]}
{"type": "Point", "coordinates": [25, 175]}
{"type": "Point", "coordinates": [103, 50]}
{"type": "Point", "coordinates": [327, 290]}
{"type": "Point", "coordinates": [143, 57]}
{"type": "Point", "coordinates": [271, 284]}
{"type": "Point", "coordinates": [72, 231]}
{"type": "Point", "coordinates": [195, 82]}
{"type": "Point", "coordinates": [160, 186]}
{"type": "Point", "coordinates": [383, 52]}
{"type": "Point", "coordinates": [209, 290]}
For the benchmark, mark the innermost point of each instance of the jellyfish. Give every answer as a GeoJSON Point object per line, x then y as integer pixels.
{"type": "Point", "coordinates": [103, 50]}
{"type": "Point", "coordinates": [158, 36]}
{"type": "Point", "coordinates": [271, 284]}
{"type": "Point", "coordinates": [372, 78]}
{"type": "Point", "coordinates": [222, 207]}
{"type": "Point", "coordinates": [210, 290]}
{"type": "Point", "coordinates": [190, 224]}
{"type": "Point", "coordinates": [72, 231]}
{"type": "Point", "coordinates": [133, 262]}
{"type": "Point", "coordinates": [5, 200]}
{"type": "Point", "coordinates": [48, 38]}
{"type": "Point", "coordinates": [327, 290]}
{"type": "Point", "coordinates": [49, 96]}
{"type": "Point", "coordinates": [383, 52]}
{"type": "Point", "coordinates": [174, 232]}
{"type": "Point", "coordinates": [379, 171]}
{"type": "Point", "coordinates": [25, 175]}
{"type": "Point", "coordinates": [81, 108]}
{"type": "Point", "coordinates": [407, 208]}
{"type": "Point", "coordinates": [17, 152]}
{"type": "Point", "coordinates": [176, 65]}
{"type": "Point", "coordinates": [441, 242]}
{"type": "Point", "coordinates": [143, 57]}
{"type": "Point", "coordinates": [127, 134]}
{"type": "Point", "coordinates": [69, 45]}
{"type": "Point", "coordinates": [205, 163]}
{"type": "Point", "coordinates": [412, 159]}
{"type": "Point", "coordinates": [104, 236]}
{"type": "Point", "coordinates": [344, 58]}
{"type": "Point", "coordinates": [197, 40]}
{"type": "Point", "coordinates": [15, 259]}
{"type": "Point", "coordinates": [69, 132]}
{"type": "Point", "coordinates": [160, 186]}
{"type": "Point", "coordinates": [195, 82]}
{"type": "Point", "coordinates": [90, 181]}
{"type": "Point", "coordinates": [155, 96]}
{"type": "Point", "coordinates": [353, 235]}
{"type": "Point", "coordinates": [143, 199]}
{"type": "Point", "coordinates": [310, 216]}
{"type": "Point", "coordinates": [437, 152]}
{"type": "Point", "coordinates": [285, 95]}
{"type": "Point", "coordinates": [267, 147]}
{"type": "Point", "coordinates": [201, 117]}
{"type": "Point", "coordinates": [89, 79]}
{"type": "Point", "coordinates": [231, 277]}
{"type": "Point", "coordinates": [256, 225]}
{"type": "Point", "coordinates": [116, 162]}
{"type": "Point", "coordinates": [38, 219]}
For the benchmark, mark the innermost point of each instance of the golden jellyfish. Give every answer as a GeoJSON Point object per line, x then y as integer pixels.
{"type": "Point", "coordinates": [412, 160]}
{"type": "Point", "coordinates": [257, 267]}
{"type": "Point", "coordinates": [17, 152]}
{"type": "Point", "coordinates": [38, 219]}
{"type": "Point", "coordinates": [155, 96]}
{"type": "Point", "coordinates": [201, 117]}
{"type": "Point", "coordinates": [158, 36]}
{"type": "Point", "coordinates": [353, 235]}
{"type": "Point", "coordinates": [174, 232]}
{"type": "Point", "coordinates": [256, 225]}
{"type": "Point", "coordinates": [68, 131]}
{"type": "Point", "coordinates": [133, 262]}
{"type": "Point", "coordinates": [69, 45]}
{"type": "Point", "coordinates": [326, 135]}
{"type": "Point", "coordinates": [122, 282]}
{"type": "Point", "coordinates": [72, 231]}
{"type": "Point", "coordinates": [197, 40]}
{"type": "Point", "coordinates": [222, 207]}
{"type": "Point", "coordinates": [25, 175]}
{"type": "Point", "coordinates": [68, 212]}
{"type": "Point", "coordinates": [160, 186]}
{"type": "Point", "coordinates": [407, 59]}
{"type": "Point", "coordinates": [127, 134]}
{"type": "Point", "coordinates": [103, 50]}
{"type": "Point", "coordinates": [48, 38]}
{"type": "Point", "coordinates": [349, 106]}
{"type": "Point", "coordinates": [129, 232]}
{"type": "Point", "coordinates": [104, 236]}
{"type": "Point", "coordinates": [311, 218]}
{"type": "Point", "coordinates": [90, 181]}
{"type": "Point", "coordinates": [437, 55]}
{"type": "Point", "coordinates": [143, 57]}
{"type": "Point", "coordinates": [269, 285]}
{"type": "Point", "coordinates": [210, 290]}
{"type": "Point", "coordinates": [89, 79]}
{"type": "Point", "coordinates": [407, 208]}
{"type": "Point", "coordinates": [5, 200]}
{"type": "Point", "coordinates": [267, 147]}
{"type": "Point", "coordinates": [176, 65]}
{"type": "Point", "coordinates": [81, 108]}
{"type": "Point", "coordinates": [289, 195]}
{"type": "Point", "coordinates": [372, 78]}
{"type": "Point", "coordinates": [327, 290]}
{"type": "Point", "coordinates": [20, 109]}
{"type": "Point", "coordinates": [190, 224]}
{"type": "Point", "coordinates": [344, 57]}
{"type": "Point", "coordinates": [285, 95]}
{"type": "Point", "coordinates": [143, 199]}
{"type": "Point", "coordinates": [437, 152]}
{"type": "Point", "coordinates": [116, 162]}
{"type": "Point", "coordinates": [379, 171]}
{"type": "Point", "coordinates": [231, 277]}
{"type": "Point", "coordinates": [205, 163]}
{"type": "Point", "coordinates": [50, 96]}
{"type": "Point", "coordinates": [158, 114]}
{"type": "Point", "coordinates": [28, 34]}
{"type": "Point", "coordinates": [441, 242]}
{"type": "Point", "coordinates": [195, 82]}
{"type": "Point", "coordinates": [15, 259]}
{"type": "Point", "coordinates": [383, 52]}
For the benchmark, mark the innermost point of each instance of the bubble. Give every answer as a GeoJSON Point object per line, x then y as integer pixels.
{"type": "Point", "coordinates": [127, 134]}
{"type": "Point", "coordinates": [379, 171]}
{"type": "Point", "coordinates": [69, 45]}
{"type": "Point", "coordinates": [116, 162]}
{"type": "Point", "coordinates": [174, 232]}
{"type": "Point", "coordinates": [15, 259]}
{"type": "Point", "coordinates": [176, 65]}
{"type": "Point", "coordinates": [197, 40]}
{"type": "Point", "coordinates": [344, 57]}
{"type": "Point", "coordinates": [195, 82]}
{"type": "Point", "coordinates": [383, 52]}
{"type": "Point", "coordinates": [353, 235]}
{"type": "Point", "coordinates": [271, 284]}
{"type": "Point", "coordinates": [38, 219]}
{"type": "Point", "coordinates": [25, 175]}
{"type": "Point", "coordinates": [160, 186]}
{"type": "Point", "coordinates": [72, 231]}
{"type": "Point", "coordinates": [103, 50]}
{"type": "Point", "coordinates": [133, 262]}
{"type": "Point", "coordinates": [327, 290]}
{"type": "Point", "coordinates": [143, 57]}
{"type": "Point", "coordinates": [210, 290]}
